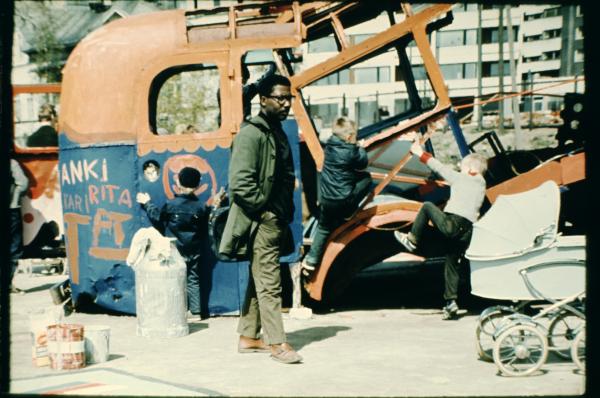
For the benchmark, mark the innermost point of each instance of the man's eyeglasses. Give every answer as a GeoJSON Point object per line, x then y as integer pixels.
{"type": "Point", "coordinates": [282, 99]}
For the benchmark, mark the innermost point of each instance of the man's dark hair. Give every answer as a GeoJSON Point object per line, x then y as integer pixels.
{"type": "Point", "coordinates": [265, 87]}
{"type": "Point", "coordinates": [151, 162]}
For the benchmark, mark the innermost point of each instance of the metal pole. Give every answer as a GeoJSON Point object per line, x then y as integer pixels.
{"type": "Point", "coordinates": [479, 108]}
{"type": "Point", "coordinates": [516, 113]}
{"type": "Point", "coordinates": [501, 70]}
{"type": "Point", "coordinates": [530, 78]}
{"type": "Point", "coordinates": [357, 112]}
{"type": "Point", "coordinates": [377, 116]}
{"type": "Point", "coordinates": [452, 120]}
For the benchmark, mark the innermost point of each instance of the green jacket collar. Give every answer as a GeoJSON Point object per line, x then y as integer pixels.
{"type": "Point", "coordinates": [263, 120]}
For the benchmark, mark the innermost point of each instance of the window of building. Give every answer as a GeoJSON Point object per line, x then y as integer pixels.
{"type": "Point", "coordinates": [365, 75]}
{"type": "Point", "coordinates": [490, 69]}
{"type": "Point", "coordinates": [538, 103]}
{"type": "Point", "coordinates": [379, 74]}
{"type": "Point", "coordinates": [459, 71]}
{"type": "Point", "coordinates": [532, 59]}
{"type": "Point", "coordinates": [492, 6]}
{"type": "Point", "coordinates": [471, 36]}
{"type": "Point", "coordinates": [532, 38]}
{"type": "Point", "coordinates": [401, 105]}
{"type": "Point", "coordinates": [186, 100]}
{"type": "Point", "coordinates": [555, 105]}
{"type": "Point", "coordinates": [490, 35]}
{"type": "Point", "coordinates": [550, 55]}
{"type": "Point", "coordinates": [366, 112]}
{"type": "Point", "coordinates": [530, 17]}
{"type": "Point", "coordinates": [578, 56]}
{"type": "Point", "coordinates": [550, 34]}
{"type": "Point", "coordinates": [324, 114]}
{"type": "Point", "coordinates": [334, 78]}
{"type": "Point", "coordinates": [419, 72]}
{"type": "Point", "coordinates": [355, 39]}
{"type": "Point", "coordinates": [323, 45]}
{"type": "Point", "coordinates": [470, 71]}
{"type": "Point", "coordinates": [551, 12]}
{"type": "Point", "coordinates": [549, 73]}
{"type": "Point", "coordinates": [344, 76]}
{"type": "Point", "coordinates": [450, 38]}
{"type": "Point", "coordinates": [452, 71]}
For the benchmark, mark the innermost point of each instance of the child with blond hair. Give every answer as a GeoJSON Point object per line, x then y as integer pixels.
{"type": "Point", "coordinates": [455, 222]}
{"type": "Point", "coordinates": [343, 185]}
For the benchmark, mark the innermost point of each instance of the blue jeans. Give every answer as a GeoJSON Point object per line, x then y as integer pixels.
{"type": "Point", "coordinates": [332, 216]}
{"type": "Point", "coordinates": [193, 283]}
{"type": "Point", "coordinates": [16, 239]}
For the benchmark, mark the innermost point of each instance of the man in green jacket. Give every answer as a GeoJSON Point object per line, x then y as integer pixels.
{"type": "Point", "coordinates": [261, 184]}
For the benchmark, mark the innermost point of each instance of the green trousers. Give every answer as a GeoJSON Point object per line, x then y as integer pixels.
{"type": "Point", "coordinates": [262, 304]}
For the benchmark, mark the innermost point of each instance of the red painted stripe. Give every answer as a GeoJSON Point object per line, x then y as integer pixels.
{"type": "Point", "coordinates": [79, 387]}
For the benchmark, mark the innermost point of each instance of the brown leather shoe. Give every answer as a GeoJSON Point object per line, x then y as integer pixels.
{"type": "Point", "coordinates": [284, 353]}
{"type": "Point", "coordinates": [248, 344]}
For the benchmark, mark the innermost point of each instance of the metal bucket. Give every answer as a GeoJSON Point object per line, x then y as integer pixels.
{"type": "Point", "coordinates": [66, 346]}
{"type": "Point", "coordinates": [97, 343]}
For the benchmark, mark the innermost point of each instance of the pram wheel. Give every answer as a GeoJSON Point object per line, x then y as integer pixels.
{"type": "Point", "coordinates": [578, 350]}
{"type": "Point", "coordinates": [486, 328]}
{"type": "Point", "coordinates": [520, 350]}
{"type": "Point", "coordinates": [561, 333]}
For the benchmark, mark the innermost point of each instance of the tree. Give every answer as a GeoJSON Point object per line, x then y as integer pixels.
{"type": "Point", "coordinates": [46, 52]}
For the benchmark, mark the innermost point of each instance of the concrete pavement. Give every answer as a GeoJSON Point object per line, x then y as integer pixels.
{"type": "Point", "coordinates": [347, 352]}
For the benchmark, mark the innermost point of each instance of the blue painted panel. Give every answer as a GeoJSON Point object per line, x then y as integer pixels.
{"type": "Point", "coordinates": [98, 200]}
{"type": "Point", "coordinates": [290, 126]}
{"type": "Point", "coordinates": [99, 184]}
{"type": "Point", "coordinates": [220, 282]}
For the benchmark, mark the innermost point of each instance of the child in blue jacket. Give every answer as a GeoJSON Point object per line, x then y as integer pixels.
{"type": "Point", "coordinates": [185, 218]}
{"type": "Point", "coordinates": [344, 183]}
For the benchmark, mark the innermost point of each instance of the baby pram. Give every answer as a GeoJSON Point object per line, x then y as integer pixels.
{"type": "Point", "coordinates": [517, 254]}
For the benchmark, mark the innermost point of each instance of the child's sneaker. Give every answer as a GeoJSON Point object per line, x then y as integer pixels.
{"type": "Point", "coordinates": [450, 311]}
{"type": "Point", "coordinates": [307, 268]}
{"type": "Point", "coordinates": [406, 242]}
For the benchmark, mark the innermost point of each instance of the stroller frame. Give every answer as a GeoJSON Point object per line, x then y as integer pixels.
{"type": "Point", "coordinates": [543, 267]}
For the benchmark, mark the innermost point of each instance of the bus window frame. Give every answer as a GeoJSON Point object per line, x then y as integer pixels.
{"type": "Point", "coordinates": [42, 88]}
{"type": "Point", "coordinates": [146, 138]}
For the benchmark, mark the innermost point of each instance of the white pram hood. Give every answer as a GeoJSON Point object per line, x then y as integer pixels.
{"type": "Point", "coordinates": [517, 224]}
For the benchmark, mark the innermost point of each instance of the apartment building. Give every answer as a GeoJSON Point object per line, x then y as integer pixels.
{"type": "Point", "coordinates": [547, 51]}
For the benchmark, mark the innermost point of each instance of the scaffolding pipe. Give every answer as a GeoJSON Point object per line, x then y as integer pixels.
{"type": "Point", "coordinates": [513, 81]}
{"type": "Point", "coordinates": [501, 69]}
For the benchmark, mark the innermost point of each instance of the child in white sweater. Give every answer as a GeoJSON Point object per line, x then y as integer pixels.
{"type": "Point", "coordinates": [455, 222]}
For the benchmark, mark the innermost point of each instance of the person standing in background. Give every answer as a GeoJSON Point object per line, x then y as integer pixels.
{"type": "Point", "coordinates": [46, 134]}
{"type": "Point", "coordinates": [19, 183]}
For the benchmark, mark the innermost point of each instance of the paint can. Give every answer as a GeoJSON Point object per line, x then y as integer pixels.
{"type": "Point", "coordinates": [66, 346]}
{"type": "Point", "coordinates": [38, 321]}
{"type": "Point", "coordinates": [97, 343]}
